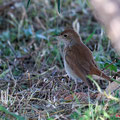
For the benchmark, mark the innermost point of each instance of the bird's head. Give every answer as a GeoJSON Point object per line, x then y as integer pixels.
{"type": "Point", "coordinates": [69, 36]}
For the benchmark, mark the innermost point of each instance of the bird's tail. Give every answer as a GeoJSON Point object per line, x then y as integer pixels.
{"type": "Point", "coordinates": [98, 72]}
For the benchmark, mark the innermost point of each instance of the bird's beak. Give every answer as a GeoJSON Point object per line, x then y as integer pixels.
{"type": "Point", "coordinates": [58, 37]}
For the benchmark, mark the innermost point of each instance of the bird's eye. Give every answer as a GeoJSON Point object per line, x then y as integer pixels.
{"type": "Point", "coordinates": [65, 35]}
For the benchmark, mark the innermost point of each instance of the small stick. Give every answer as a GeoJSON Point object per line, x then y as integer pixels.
{"type": "Point", "coordinates": [109, 65]}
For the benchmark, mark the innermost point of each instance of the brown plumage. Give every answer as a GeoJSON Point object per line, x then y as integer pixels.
{"type": "Point", "coordinates": [78, 59]}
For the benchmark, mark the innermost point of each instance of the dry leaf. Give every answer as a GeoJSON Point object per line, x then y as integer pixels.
{"type": "Point", "coordinates": [113, 87]}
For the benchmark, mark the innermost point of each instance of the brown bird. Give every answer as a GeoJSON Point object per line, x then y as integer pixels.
{"type": "Point", "coordinates": [78, 59]}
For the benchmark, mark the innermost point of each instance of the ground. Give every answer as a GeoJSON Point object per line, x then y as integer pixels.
{"type": "Point", "coordinates": [33, 82]}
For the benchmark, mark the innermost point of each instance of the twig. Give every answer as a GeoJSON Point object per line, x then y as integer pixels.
{"type": "Point", "coordinates": [109, 65]}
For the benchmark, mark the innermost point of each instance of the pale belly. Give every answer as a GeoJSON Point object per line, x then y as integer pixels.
{"type": "Point", "coordinates": [70, 72]}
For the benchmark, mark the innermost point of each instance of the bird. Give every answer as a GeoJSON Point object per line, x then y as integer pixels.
{"type": "Point", "coordinates": [78, 58]}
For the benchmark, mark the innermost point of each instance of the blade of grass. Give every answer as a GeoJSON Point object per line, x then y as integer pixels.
{"type": "Point", "coordinates": [89, 37]}
{"type": "Point", "coordinates": [98, 87]}
{"type": "Point", "coordinates": [28, 3]}
{"type": "Point", "coordinates": [4, 73]}
{"type": "Point", "coordinates": [115, 80]}
{"type": "Point", "coordinates": [58, 4]}
{"type": "Point", "coordinates": [3, 109]}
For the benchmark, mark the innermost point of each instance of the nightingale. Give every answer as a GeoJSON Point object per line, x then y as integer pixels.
{"type": "Point", "coordinates": [78, 59]}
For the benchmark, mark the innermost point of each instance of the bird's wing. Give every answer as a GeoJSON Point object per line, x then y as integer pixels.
{"type": "Point", "coordinates": [80, 59]}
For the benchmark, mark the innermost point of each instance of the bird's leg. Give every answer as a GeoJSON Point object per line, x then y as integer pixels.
{"type": "Point", "coordinates": [76, 84]}
{"type": "Point", "coordinates": [89, 94]}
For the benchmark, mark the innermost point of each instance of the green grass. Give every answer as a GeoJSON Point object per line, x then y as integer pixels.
{"type": "Point", "coordinates": [17, 117]}
{"type": "Point", "coordinates": [31, 65]}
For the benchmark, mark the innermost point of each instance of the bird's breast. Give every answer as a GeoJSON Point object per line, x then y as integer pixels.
{"type": "Point", "coordinates": [70, 72]}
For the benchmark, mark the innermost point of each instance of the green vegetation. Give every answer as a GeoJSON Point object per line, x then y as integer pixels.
{"type": "Point", "coordinates": [32, 77]}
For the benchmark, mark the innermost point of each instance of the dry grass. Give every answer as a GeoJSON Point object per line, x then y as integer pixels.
{"type": "Point", "coordinates": [33, 82]}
